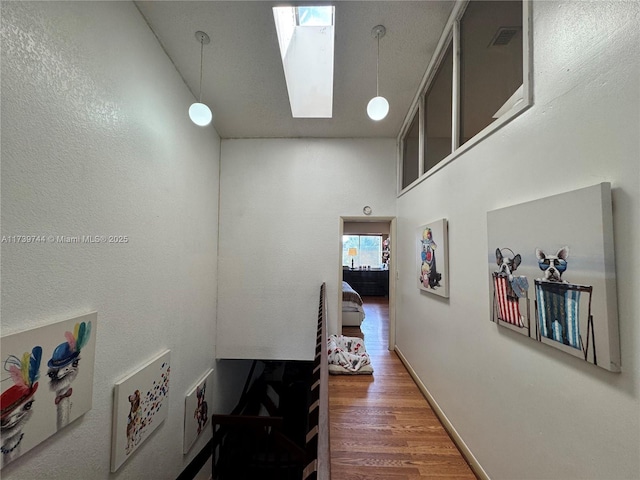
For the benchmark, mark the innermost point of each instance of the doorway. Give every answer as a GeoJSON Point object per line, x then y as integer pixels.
{"type": "Point", "coordinates": [372, 226]}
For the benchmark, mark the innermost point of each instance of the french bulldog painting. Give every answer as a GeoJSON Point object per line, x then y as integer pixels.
{"type": "Point", "coordinates": [553, 266]}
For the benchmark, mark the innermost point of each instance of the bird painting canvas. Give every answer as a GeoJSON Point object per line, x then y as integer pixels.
{"type": "Point", "coordinates": [47, 382]}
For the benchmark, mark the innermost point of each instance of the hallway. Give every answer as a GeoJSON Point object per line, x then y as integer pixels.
{"type": "Point", "coordinates": [381, 425]}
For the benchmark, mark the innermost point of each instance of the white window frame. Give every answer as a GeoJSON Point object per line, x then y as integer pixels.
{"type": "Point", "coordinates": [512, 108]}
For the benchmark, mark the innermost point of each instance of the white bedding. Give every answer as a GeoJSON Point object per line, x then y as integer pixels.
{"type": "Point", "coordinates": [352, 309]}
{"type": "Point", "coordinates": [348, 355]}
{"type": "Point", "coordinates": [348, 306]}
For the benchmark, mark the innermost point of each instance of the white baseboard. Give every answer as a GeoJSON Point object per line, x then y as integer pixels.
{"type": "Point", "coordinates": [455, 436]}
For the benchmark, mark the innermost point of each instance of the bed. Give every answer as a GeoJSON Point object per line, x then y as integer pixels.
{"type": "Point", "coordinates": [352, 310]}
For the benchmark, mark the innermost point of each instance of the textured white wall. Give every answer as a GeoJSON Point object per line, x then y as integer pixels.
{"type": "Point", "coordinates": [355, 228]}
{"type": "Point", "coordinates": [524, 409]}
{"type": "Point", "coordinates": [280, 205]}
{"type": "Point", "coordinates": [96, 141]}
{"type": "Point", "coordinates": [310, 77]}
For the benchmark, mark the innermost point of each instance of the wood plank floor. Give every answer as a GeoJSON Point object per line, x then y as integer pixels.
{"type": "Point", "coordinates": [381, 425]}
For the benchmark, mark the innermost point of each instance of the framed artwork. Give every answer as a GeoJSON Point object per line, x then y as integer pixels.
{"type": "Point", "coordinates": [552, 273]}
{"type": "Point", "coordinates": [433, 258]}
{"type": "Point", "coordinates": [140, 405]}
{"type": "Point", "coordinates": [47, 382]}
{"type": "Point", "coordinates": [196, 410]}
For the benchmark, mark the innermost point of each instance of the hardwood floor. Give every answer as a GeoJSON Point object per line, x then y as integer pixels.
{"type": "Point", "coordinates": [381, 425]}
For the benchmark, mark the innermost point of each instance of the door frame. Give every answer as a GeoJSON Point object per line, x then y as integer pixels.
{"type": "Point", "coordinates": [392, 271]}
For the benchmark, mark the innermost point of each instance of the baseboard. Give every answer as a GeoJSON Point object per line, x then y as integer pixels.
{"type": "Point", "coordinates": [455, 436]}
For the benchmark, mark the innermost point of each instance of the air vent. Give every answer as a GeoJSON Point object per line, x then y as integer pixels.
{"type": "Point", "coordinates": [503, 36]}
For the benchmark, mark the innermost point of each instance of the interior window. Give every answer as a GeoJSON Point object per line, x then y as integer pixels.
{"type": "Point", "coordinates": [438, 117]}
{"type": "Point", "coordinates": [490, 62]}
{"type": "Point", "coordinates": [476, 83]}
{"type": "Point", "coordinates": [411, 153]}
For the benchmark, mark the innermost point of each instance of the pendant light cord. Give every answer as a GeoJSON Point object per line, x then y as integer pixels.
{"type": "Point", "coordinates": [378, 66]}
{"type": "Point", "coordinates": [201, 58]}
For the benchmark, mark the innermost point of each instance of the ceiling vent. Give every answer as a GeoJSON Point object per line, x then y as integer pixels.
{"type": "Point", "coordinates": [503, 36]}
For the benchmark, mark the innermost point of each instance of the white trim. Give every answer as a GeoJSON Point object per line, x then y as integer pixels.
{"type": "Point", "coordinates": [455, 89]}
{"type": "Point", "coordinates": [340, 278]}
{"type": "Point", "coordinates": [527, 51]}
{"type": "Point", "coordinates": [399, 159]}
{"type": "Point", "coordinates": [446, 423]}
{"type": "Point", "coordinates": [411, 185]}
{"type": "Point", "coordinates": [511, 102]}
{"type": "Point", "coordinates": [422, 125]}
{"type": "Point", "coordinates": [393, 275]}
{"type": "Point", "coordinates": [404, 130]}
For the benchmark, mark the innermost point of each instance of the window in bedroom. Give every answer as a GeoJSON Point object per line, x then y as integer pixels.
{"type": "Point", "coordinates": [364, 250]}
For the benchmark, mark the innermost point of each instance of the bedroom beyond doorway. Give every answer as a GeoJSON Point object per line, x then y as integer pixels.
{"type": "Point", "coordinates": [367, 264]}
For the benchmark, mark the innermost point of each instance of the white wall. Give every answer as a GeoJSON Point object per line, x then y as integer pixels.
{"type": "Point", "coordinates": [355, 228]}
{"type": "Point", "coordinates": [526, 410]}
{"type": "Point", "coordinates": [280, 206]}
{"type": "Point", "coordinates": [96, 141]}
{"type": "Point", "coordinates": [310, 77]}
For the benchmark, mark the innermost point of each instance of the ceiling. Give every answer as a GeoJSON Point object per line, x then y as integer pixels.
{"type": "Point", "coordinates": [243, 80]}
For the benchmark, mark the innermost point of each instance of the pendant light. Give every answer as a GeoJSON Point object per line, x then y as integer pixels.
{"type": "Point", "coordinates": [378, 106]}
{"type": "Point", "coordinates": [199, 113]}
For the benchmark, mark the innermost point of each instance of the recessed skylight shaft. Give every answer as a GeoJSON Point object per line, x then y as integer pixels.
{"type": "Point", "coordinates": [306, 39]}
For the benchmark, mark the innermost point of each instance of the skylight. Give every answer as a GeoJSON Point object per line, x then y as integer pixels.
{"type": "Point", "coordinates": [306, 39]}
{"type": "Point", "coordinates": [315, 16]}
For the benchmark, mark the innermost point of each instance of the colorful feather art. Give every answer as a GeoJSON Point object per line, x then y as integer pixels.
{"type": "Point", "coordinates": [71, 340]}
{"type": "Point", "coordinates": [80, 336]}
{"type": "Point", "coordinates": [25, 372]}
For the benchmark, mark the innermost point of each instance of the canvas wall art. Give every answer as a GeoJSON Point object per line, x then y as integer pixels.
{"type": "Point", "coordinates": [196, 410]}
{"type": "Point", "coordinates": [433, 258]}
{"type": "Point", "coordinates": [47, 382]}
{"type": "Point", "coordinates": [140, 405]}
{"type": "Point", "coordinates": [552, 273]}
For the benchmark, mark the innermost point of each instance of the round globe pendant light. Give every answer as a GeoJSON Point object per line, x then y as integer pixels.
{"type": "Point", "coordinates": [199, 113]}
{"type": "Point", "coordinates": [378, 106]}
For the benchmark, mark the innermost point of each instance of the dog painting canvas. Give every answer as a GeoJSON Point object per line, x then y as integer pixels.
{"type": "Point", "coordinates": [140, 405]}
{"type": "Point", "coordinates": [511, 303]}
{"type": "Point", "coordinates": [47, 382]}
{"type": "Point", "coordinates": [552, 273]}
{"type": "Point", "coordinates": [433, 258]}
{"type": "Point", "coordinates": [197, 408]}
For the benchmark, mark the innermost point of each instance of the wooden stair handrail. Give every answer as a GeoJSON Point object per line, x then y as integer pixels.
{"type": "Point", "coordinates": [319, 468]}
